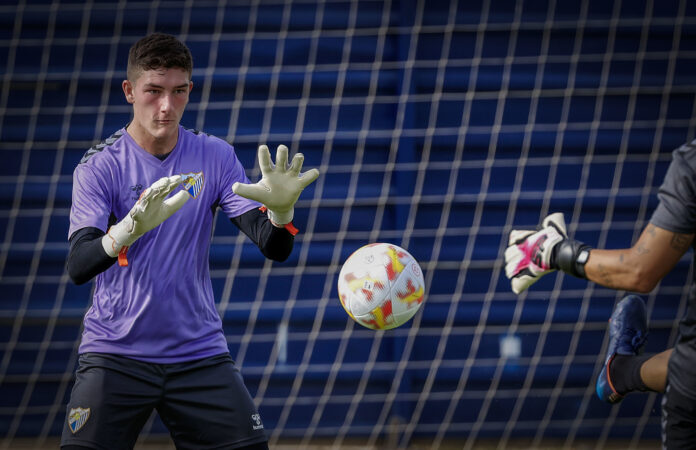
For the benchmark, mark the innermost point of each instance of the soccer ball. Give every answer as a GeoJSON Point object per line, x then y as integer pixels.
{"type": "Point", "coordinates": [381, 286]}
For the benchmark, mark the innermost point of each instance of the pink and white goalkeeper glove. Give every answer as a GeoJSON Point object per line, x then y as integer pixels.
{"type": "Point", "coordinates": [532, 254]}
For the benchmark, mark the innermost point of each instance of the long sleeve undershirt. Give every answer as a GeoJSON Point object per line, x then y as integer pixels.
{"type": "Point", "coordinates": [87, 257]}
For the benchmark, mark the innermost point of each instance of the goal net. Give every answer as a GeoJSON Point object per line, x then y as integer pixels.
{"type": "Point", "coordinates": [438, 126]}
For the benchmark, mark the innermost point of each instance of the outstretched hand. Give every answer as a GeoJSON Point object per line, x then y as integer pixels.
{"type": "Point", "coordinates": [528, 256]}
{"type": "Point", "coordinates": [280, 185]}
{"type": "Point", "coordinates": [152, 208]}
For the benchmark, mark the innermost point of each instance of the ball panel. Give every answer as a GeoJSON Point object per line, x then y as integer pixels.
{"type": "Point", "coordinates": [411, 287]}
{"type": "Point", "coordinates": [362, 282]}
{"type": "Point", "coordinates": [379, 318]}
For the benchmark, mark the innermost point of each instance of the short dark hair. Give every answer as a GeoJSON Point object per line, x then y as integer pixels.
{"type": "Point", "coordinates": [156, 51]}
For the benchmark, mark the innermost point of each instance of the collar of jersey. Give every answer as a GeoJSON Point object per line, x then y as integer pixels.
{"type": "Point", "coordinates": [150, 158]}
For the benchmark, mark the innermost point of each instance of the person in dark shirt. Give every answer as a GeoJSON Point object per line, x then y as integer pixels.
{"type": "Point", "coordinates": [670, 233]}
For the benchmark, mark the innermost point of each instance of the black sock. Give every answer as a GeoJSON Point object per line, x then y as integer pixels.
{"type": "Point", "coordinates": [624, 371]}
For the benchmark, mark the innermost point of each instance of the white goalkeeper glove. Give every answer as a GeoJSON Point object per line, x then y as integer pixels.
{"type": "Point", "coordinates": [280, 185]}
{"type": "Point", "coordinates": [532, 254]}
{"type": "Point", "coordinates": [152, 208]}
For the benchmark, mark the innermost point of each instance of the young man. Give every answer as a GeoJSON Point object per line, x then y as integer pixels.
{"type": "Point", "coordinates": [152, 337]}
{"type": "Point", "coordinates": [670, 233]}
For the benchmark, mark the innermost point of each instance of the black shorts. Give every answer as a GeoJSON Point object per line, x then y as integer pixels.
{"type": "Point", "coordinates": [678, 420]}
{"type": "Point", "coordinates": [203, 403]}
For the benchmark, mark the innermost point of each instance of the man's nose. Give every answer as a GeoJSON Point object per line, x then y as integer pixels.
{"type": "Point", "coordinates": [165, 102]}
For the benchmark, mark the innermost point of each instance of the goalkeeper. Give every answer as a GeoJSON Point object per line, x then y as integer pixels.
{"type": "Point", "coordinates": [670, 233]}
{"type": "Point", "coordinates": [146, 197]}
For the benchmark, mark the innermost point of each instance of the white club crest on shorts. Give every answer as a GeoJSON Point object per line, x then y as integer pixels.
{"type": "Point", "coordinates": [193, 183]}
{"type": "Point", "coordinates": [256, 421]}
{"type": "Point", "coordinates": [77, 418]}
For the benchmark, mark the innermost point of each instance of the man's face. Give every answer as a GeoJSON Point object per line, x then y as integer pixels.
{"type": "Point", "coordinates": [159, 98]}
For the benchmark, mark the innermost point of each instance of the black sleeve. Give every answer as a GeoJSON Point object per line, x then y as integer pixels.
{"type": "Point", "coordinates": [275, 243]}
{"type": "Point", "coordinates": [676, 211]}
{"type": "Point", "coordinates": [87, 257]}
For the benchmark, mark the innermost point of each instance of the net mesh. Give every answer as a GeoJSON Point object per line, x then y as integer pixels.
{"type": "Point", "coordinates": [437, 126]}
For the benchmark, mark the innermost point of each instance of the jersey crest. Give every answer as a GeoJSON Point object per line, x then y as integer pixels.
{"type": "Point", "coordinates": [193, 183]}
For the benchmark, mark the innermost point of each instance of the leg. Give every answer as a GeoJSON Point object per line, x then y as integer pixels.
{"type": "Point", "coordinates": [653, 372]}
{"type": "Point", "coordinates": [630, 373]}
{"type": "Point", "coordinates": [110, 402]}
{"type": "Point", "coordinates": [206, 406]}
{"type": "Point", "coordinates": [678, 420]}
{"type": "Point", "coordinates": [628, 327]}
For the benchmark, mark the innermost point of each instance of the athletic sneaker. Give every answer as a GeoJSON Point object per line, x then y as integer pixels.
{"type": "Point", "coordinates": [628, 329]}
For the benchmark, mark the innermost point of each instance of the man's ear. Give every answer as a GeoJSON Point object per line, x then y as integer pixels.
{"type": "Point", "coordinates": [128, 89]}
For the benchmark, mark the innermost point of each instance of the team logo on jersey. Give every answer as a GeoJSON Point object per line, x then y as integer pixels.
{"type": "Point", "coordinates": [193, 183]}
{"type": "Point", "coordinates": [256, 422]}
{"type": "Point", "coordinates": [77, 417]}
{"type": "Point", "coordinates": [137, 189]}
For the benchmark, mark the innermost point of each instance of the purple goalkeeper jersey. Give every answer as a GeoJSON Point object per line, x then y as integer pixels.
{"type": "Point", "coordinates": [160, 308]}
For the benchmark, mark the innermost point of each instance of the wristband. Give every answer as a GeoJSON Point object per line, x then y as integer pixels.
{"type": "Point", "coordinates": [570, 256]}
{"type": "Point", "coordinates": [288, 226]}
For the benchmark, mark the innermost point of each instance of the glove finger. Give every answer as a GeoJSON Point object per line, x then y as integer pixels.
{"type": "Point", "coordinates": [281, 160]}
{"type": "Point", "coordinates": [171, 183]}
{"type": "Point", "coordinates": [509, 268]}
{"type": "Point", "coordinates": [160, 184]}
{"type": "Point", "coordinates": [512, 263]}
{"type": "Point", "coordinates": [139, 207]}
{"type": "Point", "coordinates": [308, 177]}
{"type": "Point", "coordinates": [518, 236]}
{"type": "Point", "coordinates": [265, 163]}
{"type": "Point", "coordinates": [175, 202]}
{"type": "Point", "coordinates": [510, 253]}
{"type": "Point", "coordinates": [557, 221]}
{"type": "Point", "coordinates": [162, 187]}
{"type": "Point", "coordinates": [143, 201]}
{"type": "Point", "coordinates": [296, 164]}
{"type": "Point", "coordinates": [251, 191]}
{"type": "Point", "coordinates": [148, 193]}
{"type": "Point", "coordinates": [174, 181]}
{"type": "Point", "coordinates": [144, 198]}
{"type": "Point", "coordinates": [521, 283]}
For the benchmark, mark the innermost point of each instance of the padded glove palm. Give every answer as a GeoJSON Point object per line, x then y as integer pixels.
{"type": "Point", "coordinates": [280, 185]}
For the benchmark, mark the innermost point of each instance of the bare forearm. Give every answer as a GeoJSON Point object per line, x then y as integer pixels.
{"type": "Point", "coordinates": [642, 266]}
{"type": "Point", "coordinates": [616, 269]}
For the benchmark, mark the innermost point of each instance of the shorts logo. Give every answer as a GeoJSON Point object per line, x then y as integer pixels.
{"type": "Point", "coordinates": [193, 183]}
{"type": "Point", "coordinates": [77, 417]}
{"type": "Point", "coordinates": [256, 422]}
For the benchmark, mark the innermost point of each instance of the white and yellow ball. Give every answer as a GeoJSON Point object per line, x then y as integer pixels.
{"type": "Point", "coordinates": [381, 286]}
